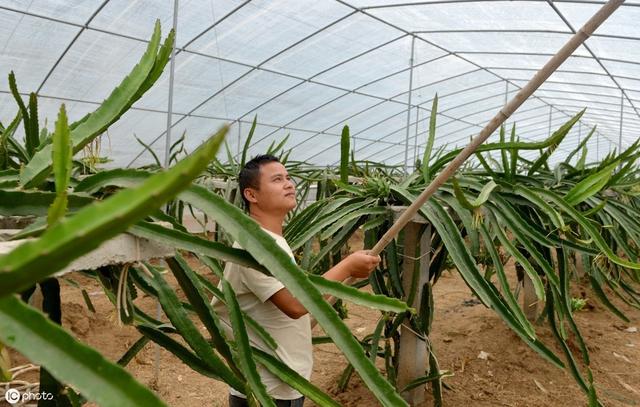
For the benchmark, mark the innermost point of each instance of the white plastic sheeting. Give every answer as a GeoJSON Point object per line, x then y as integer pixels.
{"type": "Point", "coordinates": [307, 67]}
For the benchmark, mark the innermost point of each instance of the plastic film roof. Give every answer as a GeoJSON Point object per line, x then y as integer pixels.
{"type": "Point", "coordinates": [307, 67]}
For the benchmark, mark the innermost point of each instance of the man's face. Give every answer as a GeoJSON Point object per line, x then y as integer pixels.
{"type": "Point", "coordinates": [276, 192]}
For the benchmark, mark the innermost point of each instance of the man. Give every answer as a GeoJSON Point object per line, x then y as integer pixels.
{"type": "Point", "coordinates": [269, 194]}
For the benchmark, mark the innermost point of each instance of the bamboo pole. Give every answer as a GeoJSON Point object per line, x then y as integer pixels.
{"type": "Point", "coordinates": [503, 114]}
{"type": "Point", "coordinates": [576, 40]}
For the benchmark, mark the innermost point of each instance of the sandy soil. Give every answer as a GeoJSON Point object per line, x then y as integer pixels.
{"type": "Point", "coordinates": [513, 375]}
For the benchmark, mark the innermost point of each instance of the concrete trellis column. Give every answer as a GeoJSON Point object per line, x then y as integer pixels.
{"type": "Point", "coordinates": [413, 356]}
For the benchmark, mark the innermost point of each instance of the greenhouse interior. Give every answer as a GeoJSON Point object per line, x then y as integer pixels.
{"type": "Point", "coordinates": [319, 203]}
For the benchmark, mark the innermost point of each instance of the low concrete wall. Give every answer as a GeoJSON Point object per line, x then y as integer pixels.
{"type": "Point", "coordinates": [121, 249]}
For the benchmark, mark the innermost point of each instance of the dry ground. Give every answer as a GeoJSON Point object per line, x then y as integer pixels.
{"type": "Point", "coordinates": [513, 375]}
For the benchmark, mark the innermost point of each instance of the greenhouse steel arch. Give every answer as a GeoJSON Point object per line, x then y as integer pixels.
{"type": "Point", "coordinates": [307, 68]}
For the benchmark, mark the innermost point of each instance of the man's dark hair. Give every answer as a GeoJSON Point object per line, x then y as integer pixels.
{"type": "Point", "coordinates": [250, 174]}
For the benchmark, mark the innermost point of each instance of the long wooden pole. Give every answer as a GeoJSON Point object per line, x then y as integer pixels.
{"type": "Point", "coordinates": [576, 40]}
{"type": "Point", "coordinates": [507, 110]}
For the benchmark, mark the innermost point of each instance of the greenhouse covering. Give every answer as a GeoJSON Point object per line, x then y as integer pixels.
{"type": "Point", "coordinates": [305, 68]}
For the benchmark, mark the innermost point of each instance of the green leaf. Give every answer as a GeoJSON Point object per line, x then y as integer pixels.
{"type": "Point", "coordinates": [192, 288]}
{"type": "Point", "coordinates": [588, 228]}
{"type": "Point", "coordinates": [162, 57]}
{"type": "Point", "coordinates": [583, 157]}
{"type": "Point", "coordinates": [301, 219]}
{"type": "Point", "coordinates": [344, 292]}
{"type": "Point", "coordinates": [251, 323]}
{"type": "Point", "coordinates": [394, 269]}
{"type": "Point", "coordinates": [484, 194]}
{"type": "Point", "coordinates": [459, 194]}
{"type": "Point", "coordinates": [503, 152]}
{"type": "Point", "coordinates": [487, 293]}
{"type": "Point", "coordinates": [627, 216]}
{"type": "Point", "coordinates": [150, 150]}
{"type": "Point", "coordinates": [333, 228]}
{"type": "Point", "coordinates": [186, 241]}
{"type": "Point", "coordinates": [180, 320]}
{"type": "Point", "coordinates": [332, 245]}
{"type": "Point", "coordinates": [573, 367]}
{"type": "Point", "coordinates": [375, 338]}
{"type": "Point", "coordinates": [121, 177]}
{"type": "Point", "coordinates": [565, 302]}
{"type": "Point", "coordinates": [344, 155]}
{"type": "Point", "coordinates": [5, 364]}
{"type": "Point", "coordinates": [504, 282]}
{"type": "Point", "coordinates": [581, 146]}
{"type": "Point", "coordinates": [520, 258]}
{"type": "Point", "coordinates": [478, 201]}
{"type": "Point", "coordinates": [547, 209]}
{"type": "Point", "coordinates": [32, 137]}
{"type": "Point", "coordinates": [374, 223]}
{"type": "Point", "coordinates": [319, 224]}
{"type": "Point", "coordinates": [86, 230]}
{"type": "Point", "coordinates": [133, 351]}
{"type": "Point", "coordinates": [58, 208]}
{"type": "Point", "coordinates": [602, 296]}
{"type": "Point", "coordinates": [109, 111]}
{"type": "Point", "coordinates": [554, 139]}
{"type": "Point", "coordinates": [426, 379]}
{"type": "Point", "coordinates": [6, 135]}
{"type": "Point", "coordinates": [36, 203]}
{"type": "Point", "coordinates": [532, 250]}
{"type": "Point", "coordinates": [247, 142]}
{"type": "Point", "coordinates": [426, 157]}
{"type": "Point", "coordinates": [30, 148]}
{"type": "Point", "coordinates": [536, 232]}
{"type": "Point", "coordinates": [558, 136]}
{"type": "Point", "coordinates": [244, 354]}
{"type": "Point", "coordinates": [277, 147]}
{"type": "Point", "coordinates": [45, 343]}
{"type": "Point", "coordinates": [61, 156]}
{"type": "Point", "coordinates": [425, 317]}
{"type": "Point", "coordinates": [590, 186]}
{"type": "Point", "coordinates": [35, 229]}
{"type": "Point", "coordinates": [293, 379]}
{"type": "Point", "coordinates": [514, 154]}
{"type": "Point", "coordinates": [485, 165]}
{"type": "Point", "coordinates": [265, 250]}
{"type": "Point", "coordinates": [178, 350]}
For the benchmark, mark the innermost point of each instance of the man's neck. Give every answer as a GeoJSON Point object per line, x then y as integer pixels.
{"type": "Point", "coordinates": [270, 222]}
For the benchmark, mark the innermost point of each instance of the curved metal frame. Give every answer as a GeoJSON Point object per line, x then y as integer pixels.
{"type": "Point", "coordinates": [626, 101]}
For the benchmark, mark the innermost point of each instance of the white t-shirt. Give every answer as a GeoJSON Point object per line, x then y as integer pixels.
{"type": "Point", "coordinates": [293, 336]}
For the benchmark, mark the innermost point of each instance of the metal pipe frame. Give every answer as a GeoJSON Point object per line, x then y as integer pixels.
{"type": "Point", "coordinates": [217, 22]}
{"type": "Point", "coordinates": [428, 42]}
{"type": "Point", "coordinates": [456, 141]}
{"type": "Point", "coordinates": [347, 93]}
{"type": "Point", "coordinates": [530, 136]}
{"type": "Point", "coordinates": [406, 140]}
{"type": "Point", "coordinates": [86, 26]}
{"type": "Point", "coordinates": [598, 95]}
{"type": "Point", "coordinates": [586, 46]}
{"type": "Point", "coordinates": [426, 3]}
{"type": "Point", "coordinates": [172, 71]}
{"type": "Point", "coordinates": [391, 99]}
{"type": "Point", "coordinates": [472, 125]}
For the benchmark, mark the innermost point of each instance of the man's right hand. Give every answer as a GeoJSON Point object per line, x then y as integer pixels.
{"type": "Point", "coordinates": [361, 263]}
